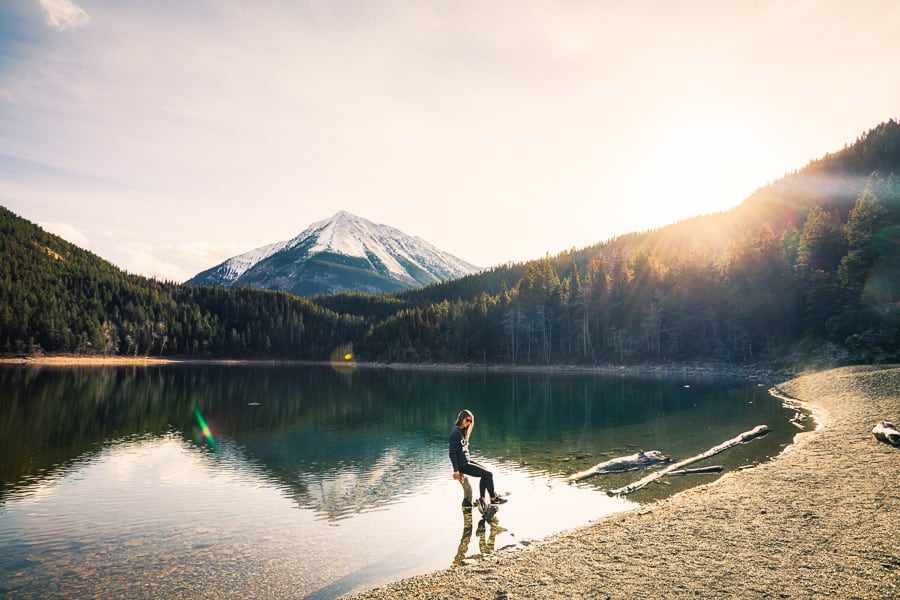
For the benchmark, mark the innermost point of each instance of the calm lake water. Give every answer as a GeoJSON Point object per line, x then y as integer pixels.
{"type": "Point", "coordinates": [308, 482]}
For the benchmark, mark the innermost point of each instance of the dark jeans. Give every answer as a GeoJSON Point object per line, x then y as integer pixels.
{"type": "Point", "coordinates": [486, 478]}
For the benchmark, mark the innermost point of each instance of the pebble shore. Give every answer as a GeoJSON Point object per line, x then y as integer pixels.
{"type": "Point", "coordinates": [822, 520]}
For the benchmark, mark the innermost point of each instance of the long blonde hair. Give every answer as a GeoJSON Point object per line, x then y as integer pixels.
{"type": "Point", "coordinates": [465, 414]}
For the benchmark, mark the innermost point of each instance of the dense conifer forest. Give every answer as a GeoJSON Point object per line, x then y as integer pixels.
{"type": "Point", "coordinates": [807, 268]}
{"type": "Point", "coordinates": [57, 298]}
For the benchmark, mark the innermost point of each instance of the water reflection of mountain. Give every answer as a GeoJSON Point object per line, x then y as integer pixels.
{"type": "Point", "coordinates": [339, 443]}
{"type": "Point", "coordinates": [326, 447]}
{"type": "Point", "coordinates": [335, 474]}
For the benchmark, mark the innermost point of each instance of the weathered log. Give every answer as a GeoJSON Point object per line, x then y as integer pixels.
{"type": "Point", "coordinates": [632, 462]}
{"type": "Point", "coordinates": [887, 433]}
{"type": "Point", "coordinates": [698, 471]}
{"type": "Point", "coordinates": [743, 438]}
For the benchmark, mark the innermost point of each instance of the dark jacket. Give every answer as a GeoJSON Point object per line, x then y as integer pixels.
{"type": "Point", "coordinates": [459, 449]}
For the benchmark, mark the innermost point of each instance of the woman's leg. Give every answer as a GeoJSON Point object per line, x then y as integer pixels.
{"type": "Point", "coordinates": [486, 478]}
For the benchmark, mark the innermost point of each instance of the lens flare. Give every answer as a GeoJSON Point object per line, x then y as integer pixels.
{"type": "Point", "coordinates": [204, 430]}
{"type": "Point", "coordinates": [342, 359]}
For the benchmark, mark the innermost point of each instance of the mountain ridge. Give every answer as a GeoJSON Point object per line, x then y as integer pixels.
{"type": "Point", "coordinates": [344, 252]}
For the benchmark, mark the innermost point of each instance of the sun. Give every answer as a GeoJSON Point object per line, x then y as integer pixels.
{"type": "Point", "coordinates": [700, 165]}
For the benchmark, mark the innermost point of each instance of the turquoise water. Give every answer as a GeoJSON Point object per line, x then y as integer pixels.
{"type": "Point", "coordinates": [308, 482]}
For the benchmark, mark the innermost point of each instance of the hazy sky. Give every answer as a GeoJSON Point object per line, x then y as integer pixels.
{"type": "Point", "coordinates": [169, 135]}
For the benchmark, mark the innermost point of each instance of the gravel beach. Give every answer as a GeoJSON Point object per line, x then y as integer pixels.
{"type": "Point", "coordinates": [819, 521]}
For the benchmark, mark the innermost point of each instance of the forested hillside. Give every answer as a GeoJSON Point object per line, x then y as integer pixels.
{"type": "Point", "coordinates": [806, 268]}
{"type": "Point", "coordinates": [57, 298]}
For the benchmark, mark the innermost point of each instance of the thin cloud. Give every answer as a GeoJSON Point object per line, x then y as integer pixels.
{"type": "Point", "coordinates": [537, 123]}
{"type": "Point", "coordinates": [63, 14]}
{"type": "Point", "coordinates": [68, 232]}
{"type": "Point", "coordinates": [178, 262]}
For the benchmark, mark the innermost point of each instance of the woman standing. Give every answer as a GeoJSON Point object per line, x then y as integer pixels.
{"type": "Point", "coordinates": [459, 456]}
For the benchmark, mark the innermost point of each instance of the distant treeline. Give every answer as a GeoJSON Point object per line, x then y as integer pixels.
{"type": "Point", "coordinates": [807, 267]}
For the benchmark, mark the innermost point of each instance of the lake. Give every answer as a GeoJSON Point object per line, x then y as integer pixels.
{"type": "Point", "coordinates": [305, 481]}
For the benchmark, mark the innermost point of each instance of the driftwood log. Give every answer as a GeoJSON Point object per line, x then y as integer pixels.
{"type": "Point", "coordinates": [632, 462]}
{"type": "Point", "coordinates": [712, 469]}
{"type": "Point", "coordinates": [887, 433]}
{"type": "Point", "coordinates": [743, 438]}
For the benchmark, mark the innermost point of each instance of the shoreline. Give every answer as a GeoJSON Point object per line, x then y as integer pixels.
{"type": "Point", "coordinates": [693, 369]}
{"type": "Point", "coordinates": [802, 525]}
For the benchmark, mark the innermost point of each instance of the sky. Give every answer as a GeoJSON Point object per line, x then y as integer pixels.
{"type": "Point", "coordinates": [168, 136]}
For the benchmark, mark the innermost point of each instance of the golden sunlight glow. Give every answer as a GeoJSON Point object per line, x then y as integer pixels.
{"type": "Point", "coordinates": [700, 165]}
{"type": "Point", "coordinates": [342, 359]}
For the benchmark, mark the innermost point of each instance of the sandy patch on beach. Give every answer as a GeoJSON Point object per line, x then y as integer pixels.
{"type": "Point", "coordinates": [819, 521]}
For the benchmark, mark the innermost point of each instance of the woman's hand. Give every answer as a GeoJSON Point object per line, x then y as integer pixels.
{"type": "Point", "coordinates": [455, 474]}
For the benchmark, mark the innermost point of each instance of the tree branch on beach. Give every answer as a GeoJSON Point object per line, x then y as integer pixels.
{"type": "Point", "coordinates": [743, 438]}
{"type": "Point", "coordinates": [697, 471]}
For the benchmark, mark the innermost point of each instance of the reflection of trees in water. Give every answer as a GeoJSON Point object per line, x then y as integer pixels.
{"type": "Point", "coordinates": [50, 417]}
{"type": "Point", "coordinates": [345, 442]}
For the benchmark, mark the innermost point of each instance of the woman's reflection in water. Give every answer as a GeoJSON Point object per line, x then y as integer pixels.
{"type": "Point", "coordinates": [485, 540]}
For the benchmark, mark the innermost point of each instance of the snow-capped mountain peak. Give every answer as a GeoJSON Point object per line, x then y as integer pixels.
{"type": "Point", "coordinates": [323, 257]}
{"type": "Point", "coordinates": [237, 265]}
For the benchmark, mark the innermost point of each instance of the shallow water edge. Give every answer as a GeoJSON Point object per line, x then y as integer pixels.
{"type": "Point", "coordinates": [713, 369]}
